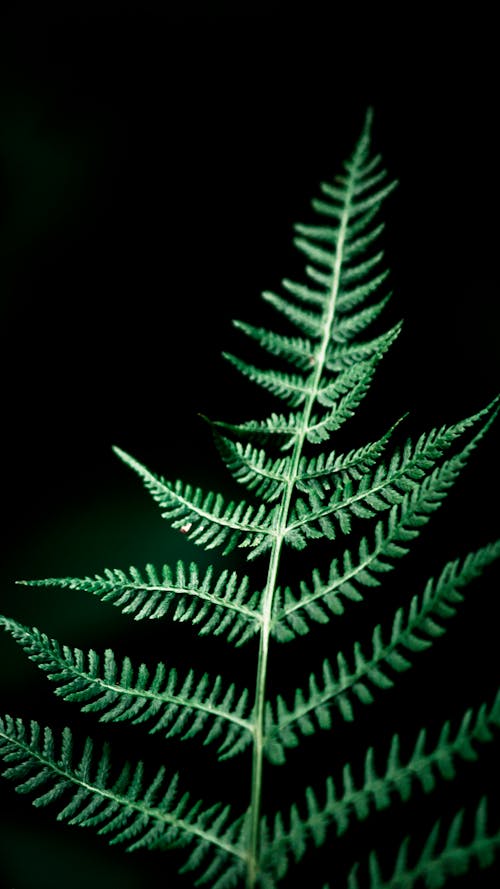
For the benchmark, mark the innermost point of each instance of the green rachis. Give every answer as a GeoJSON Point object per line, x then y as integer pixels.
{"type": "Point", "coordinates": [300, 491]}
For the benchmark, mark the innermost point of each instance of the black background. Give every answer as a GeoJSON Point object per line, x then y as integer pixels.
{"type": "Point", "coordinates": [151, 169]}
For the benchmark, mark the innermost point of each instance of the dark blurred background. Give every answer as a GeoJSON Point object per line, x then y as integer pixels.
{"type": "Point", "coordinates": [150, 172]}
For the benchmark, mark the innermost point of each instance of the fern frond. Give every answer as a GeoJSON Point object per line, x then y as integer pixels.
{"type": "Point", "coordinates": [319, 429]}
{"type": "Point", "coordinates": [291, 388]}
{"type": "Point", "coordinates": [309, 323]}
{"type": "Point", "coordinates": [343, 355]}
{"type": "Point", "coordinates": [346, 381]}
{"type": "Point", "coordinates": [387, 485]}
{"type": "Point", "coordinates": [292, 613]}
{"type": "Point", "coordinates": [411, 632]}
{"type": "Point", "coordinates": [358, 206]}
{"type": "Point", "coordinates": [124, 693]}
{"type": "Point", "coordinates": [303, 293]}
{"type": "Point", "coordinates": [435, 864]}
{"type": "Point", "coordinates": [318, 474]}
{"type": "Point", "coordinates": [278, 426]}
{"type": "Point", "coordinates": [351, 297]}
{"type": "Point", "coordinates": [296, 350]}
{"type": "Point", "coordinates": [221, 607]}
{"type": "Point", "coordinates": [253, 467]}
{"type": "Point", "coordinates": [265, 476]}
{"type": "Point", "coordinates": [365, 209]}
{"type": "Point", "coordinates": [204, 518]}
{"type": "Point", "coordinates": [314, 252]}
{"type": "Point", "coordinates": [355, 380]}
{"type": "Point", "coordinates": [359, 244]}
{"type": "Point", "coordinates": [125, 809]}
{"type": "Point", "coordinates": [350, 326]}
{"type": "Point", "coordinates": [376, 791]}
{"type": "Point", "coordinates": [320, 244]}
{"type": "Point", "coordinates": [323, 372]}
{"type": "Point", "coordinates": [329, 234]}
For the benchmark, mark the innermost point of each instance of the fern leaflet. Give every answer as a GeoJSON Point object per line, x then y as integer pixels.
{"type": "Point", "coordinates": [434, 864]}
{"type": "Point", "coordinates": [210, 522]}
{"type": "Point", "coordinates": [123, 693]}
{"type": "Point", "coordinates": [411, 633]}
{"type": "Point", "coordinates": [224, 607]}
{"type": "Point", "coordinates": [128, 812]}
{"type": "Point", "coordinates": [376, 791]}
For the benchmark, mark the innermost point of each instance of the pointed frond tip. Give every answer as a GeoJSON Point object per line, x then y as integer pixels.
{"type": "Point", "coordinates": [122, 692]}
{"type": "Point", "coordinates": [437, 860]}
{"type": "Point", "coordinates": [126, 809]}
{"type": "Point", "coordinates": [205, 518]}
{"type": "Point", "coordinates": [222, 605]}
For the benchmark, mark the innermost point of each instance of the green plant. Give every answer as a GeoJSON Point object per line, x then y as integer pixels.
{"type": "Point", "coordinates": [304, 492]}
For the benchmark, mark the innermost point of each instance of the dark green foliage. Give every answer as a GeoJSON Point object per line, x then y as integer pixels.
{"type": "Point", "coordinates": [224, 606]}
{"type": "Point", "coordinates": [121, 692]}
{"type": "Point", "coordinates": [380, 493]}
{"type": "Point", "coordinates": [412, 630]}
{"type": "Point", "coordinates": [377, 788]}
{"type": "Point", "coordinates": [130, 812]}
{"type": "Point", "coordinates": [435, 864]}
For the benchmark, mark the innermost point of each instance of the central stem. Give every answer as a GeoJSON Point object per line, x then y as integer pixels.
{"type": "Point", "coordinates": [280, 531]}
{"type": "Point", "coordinates": [260, 691]}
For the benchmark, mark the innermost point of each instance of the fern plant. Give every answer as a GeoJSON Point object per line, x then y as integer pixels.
{"type": "Point", "coordinates": [301, 491]}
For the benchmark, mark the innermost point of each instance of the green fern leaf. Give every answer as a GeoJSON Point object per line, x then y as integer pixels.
{"type": "Point", "coordinates": [319, 474]}
{"type": "Point", "coordinates": [286, 429]}
{"type": "Point", "coordinates": [410, 633]}
{"type": "Point", "coordinates": [308, 322]}
{"type": "Point", "coordinates": [304, 491]}
{"type": "Point", "coordinates": [291, 388]}
{"type": "Point", "coordinates": [303, 293]}
{"type": "Point", "coordinates": [376, 791]}
{"type": "Point", "coordinates": [434, 865]}
{"type": "Point", "coordinates": [351, 325]}
{"type": "Point", "coordinates": [343, 355]}
{"type": "Point", "coordinates": [292, 614]}
{"type": "Point", "coordinates": [122, 693]}
{"type": "Point", "coordinates": [355, 382]}
{"type": "Point", "coordinates": [296, 350]}
{"type": "Point", "coordinates": [266, 476]}
{"type": "Point", "coordinates": [346, 381]}
{"type": "Point", "coordinates": [386, 485]}
{"type": "Point", "coordinates": [254, 468]}
{"type": "Point", "coordinates": [224, 607]}
{"type": "Point", "coordinates": [125, 810]}
{"type": "Point", "coordinates": [350, 298]}
{"type": "Point", "coordinates": [328, 234]}
{"type": "Point", "coordinates": [204, 518]}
